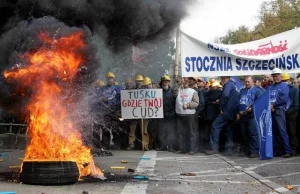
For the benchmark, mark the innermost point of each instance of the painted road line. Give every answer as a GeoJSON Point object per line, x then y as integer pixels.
{"type": "Point", "coordinates": [203, 181]}
{"type": "Point", "coordinates": [144, 167]}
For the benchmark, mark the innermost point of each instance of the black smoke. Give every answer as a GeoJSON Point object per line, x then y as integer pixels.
{"type": "Point", "coordinates": [125, 22]}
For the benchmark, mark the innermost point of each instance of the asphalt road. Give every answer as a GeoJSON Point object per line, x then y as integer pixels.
{"type": "Point", "coordinates": [204, 174]}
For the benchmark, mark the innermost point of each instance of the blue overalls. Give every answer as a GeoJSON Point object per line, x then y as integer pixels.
{"type": "Point", "coordinates": [279, 97]}
{"type": "Point", "coordinates": [229, 106]}
{"type": "Point", "coordinates": [248, 126]}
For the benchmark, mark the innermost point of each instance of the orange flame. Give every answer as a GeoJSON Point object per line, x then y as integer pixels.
{"type": "Point", "coordinates": [53, 137]}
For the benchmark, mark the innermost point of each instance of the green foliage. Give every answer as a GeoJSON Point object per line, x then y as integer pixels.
{"type": "Point", "coordinates": [274, 17]}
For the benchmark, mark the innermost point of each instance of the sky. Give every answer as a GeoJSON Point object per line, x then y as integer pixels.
{"type": "Point", "coordinates": [213, 18]}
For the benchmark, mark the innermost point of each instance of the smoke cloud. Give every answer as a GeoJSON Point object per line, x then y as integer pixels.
{"type": "Point", "coordinates": [125, 22]}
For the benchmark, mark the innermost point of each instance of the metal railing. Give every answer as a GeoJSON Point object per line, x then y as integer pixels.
{"type": "Point", "coordinates": [11, 125]}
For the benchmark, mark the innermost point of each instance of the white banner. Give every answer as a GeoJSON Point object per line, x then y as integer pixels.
{"type": "Point", "coordinates": [203, 59]}
{"type": "Point", "coordinates": [143, 103]}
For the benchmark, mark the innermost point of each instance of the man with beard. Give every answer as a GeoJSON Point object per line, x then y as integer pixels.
{"type": "Point", "coordinates": [228, 104]}
{"type": "Point", "coordinates": [248, 96]}
{"type": "Point", "coordinates": [279, 96]}
{"type": "Point", "coordinates": [111, 99]}
{"type": "Point", "coordinates": [291, 113]}
{"type": "Point", "coordinates": [166, 126]}
{"type": "Point", "coordinates": [186, 103]}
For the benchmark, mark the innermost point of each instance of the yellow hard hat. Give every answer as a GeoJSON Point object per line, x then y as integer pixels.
{"type": "Point", "coordinates": [116, 83]}
{"type": "Point", "coordinates": [165, 78]}
{"type": "Point", "coordinates": [212, 80]}
{"type": "Point", "coordinates": [139, 77]}
{"type": "Point", "coordinates": [285, 76]}
{"type": "Point", "coordinates": [110, 75]}
{"type": "Point", "coordinates": [146, 81]}
{"type": "Point", "coordinates": [216, 84]}
{"type": "Point", "coordinates": [100, 83]}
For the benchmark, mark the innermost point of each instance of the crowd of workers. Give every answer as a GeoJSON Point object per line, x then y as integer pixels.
{"type": "Point", "coordinates": [200, 116]}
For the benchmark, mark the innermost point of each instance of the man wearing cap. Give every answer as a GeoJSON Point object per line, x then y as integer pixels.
{"type": "Point", "coordinates": [229, 106]}
{"type": "Point", "coordinates": [146, 84]}
{"type": "Point", "coordinates": [291, 113]}
{"type": "Point", "coordinates": [279, 96]}
{"type": "Point", "coordinates": [248, 96]}
{"type": "Point", "coordinates": [139, 81]}
{"type": "Point", "coordinates": [111, 109]}
{"type": "Point", "coordinates": [166, 126]}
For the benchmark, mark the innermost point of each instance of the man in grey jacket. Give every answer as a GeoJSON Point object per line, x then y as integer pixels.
{"type": "Point", "coordinates": [186, 103]}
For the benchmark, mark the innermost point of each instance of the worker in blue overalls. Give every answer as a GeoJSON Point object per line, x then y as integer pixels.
{"type": "Point", "coordinates": [228, 102]}
{"type": "Point", "coordinates": [248, 126]}
{"type": "Point", "coordinates": [279, 98]}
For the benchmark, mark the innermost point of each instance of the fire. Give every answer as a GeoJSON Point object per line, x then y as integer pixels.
{"type": "Point", "coordinates": [53, 137]}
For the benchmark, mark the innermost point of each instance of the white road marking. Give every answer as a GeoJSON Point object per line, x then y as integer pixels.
{"type": "Point", "coordinates": [281, 189]}
{"type": "Point", "coordinates": [144, 167]}
{"type": "Point", "coordinates": [269, 163]}
{"type": "Point", "coordinates": [203, 181]}
{"type": "Point", "coordinates": [283, 175]}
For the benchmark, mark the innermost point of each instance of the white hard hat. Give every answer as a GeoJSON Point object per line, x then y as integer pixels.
{"type": "Point", "coordinates": [276, 71]}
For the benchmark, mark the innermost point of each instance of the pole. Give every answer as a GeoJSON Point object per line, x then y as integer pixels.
{"type": "Point", "coordinates": [142, 134]}
{"type": "Point", "coordinates": [177, 56]}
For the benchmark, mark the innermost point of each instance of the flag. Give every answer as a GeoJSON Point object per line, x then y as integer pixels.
{"type": "Point", "coordinates": [263, 120]}
{"type": "Point", "coordinates": [239, 85]}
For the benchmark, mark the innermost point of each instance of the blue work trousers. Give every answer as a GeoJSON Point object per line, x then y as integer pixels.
{"type": "Point", "coordinates": [219, 124]}
{"type": "Point", "coordinates": [280, 135]}
{"type": "Point", "coordinates": [250, 135]}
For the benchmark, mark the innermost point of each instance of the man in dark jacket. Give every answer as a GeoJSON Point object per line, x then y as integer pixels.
{"type": "Point", "coordinates": [212, 110]}
{"type": "Point", "coordinates": [199, 117]}
{"type": "Point", "coordinates": [228, 104]}
{"type": "Point", "coordinates": [248, 96]}
{"type": "Point", "coordinates": [291, 113]}
{"type": "Point", "coordinates": [279, 97]}
{"type": "Point", "coordinates": [166, 126]}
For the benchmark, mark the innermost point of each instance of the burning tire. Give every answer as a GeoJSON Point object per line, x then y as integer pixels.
{"type": "Point", "coordinates": [49, 173]}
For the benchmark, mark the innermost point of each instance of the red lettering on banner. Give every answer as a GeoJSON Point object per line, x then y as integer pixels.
{"type": "Point", "coordinates": [264, 49]}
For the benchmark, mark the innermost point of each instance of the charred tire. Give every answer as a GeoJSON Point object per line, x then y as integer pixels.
{"type": "Point", "coordinates": [49, 173]}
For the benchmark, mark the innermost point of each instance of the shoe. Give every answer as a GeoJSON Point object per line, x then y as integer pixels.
{"type": "Point", "coordinates": [130, 147]}
{"type": "Point", "coordinates": [287, 155]}
{"type": "Point", "coordinates": [191, 153]}
{"type": "Point", "coordinates": [161, 149]}
{"type": "Point", "coordinates": [146, 149]}
{"type": "Point", "coordinates": [243, 154]}
{"type": "Point", "coordinates": [171, 150]}
{"type": "Point", "coordinates": [294, 153]}
{"type": "Point", "coordinates": [253, 156]}
{"type": "Point", "coordinates": [211, 152]}
{"type": "Point", "coordinates": [180, 152]}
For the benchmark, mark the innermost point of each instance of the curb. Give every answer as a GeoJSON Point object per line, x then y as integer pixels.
{"type": "Point", "coordinates": [276, 187]}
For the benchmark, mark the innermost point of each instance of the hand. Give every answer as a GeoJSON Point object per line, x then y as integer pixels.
{"type": "Point", "coordinates": [272, 108]}
{"type": "Point", "coordinates": [217, 101]}
{"type": "Point", "coordinates": [238, 117]}
{"type": "Point", "coordinates": [185, 106]}
{"type": "Point", "coordinates": [221, 112]}
{"type": "Point", "coordinates": [248, 109]}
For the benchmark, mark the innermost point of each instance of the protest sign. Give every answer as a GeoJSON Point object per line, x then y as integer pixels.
{"type": "Point", "coordinates": [142, 104]}
{"type": "Point", "coordinates": [252, 58]}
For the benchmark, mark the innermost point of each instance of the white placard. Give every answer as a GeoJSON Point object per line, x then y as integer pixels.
{"type": "Point", "coordinates": [142, 103]}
